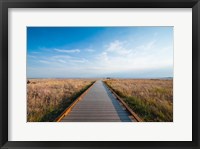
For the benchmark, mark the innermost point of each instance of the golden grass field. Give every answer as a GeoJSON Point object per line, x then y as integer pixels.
{"type": "Point", "coordinates": [47, 98]}
{"type": "Point", "coordinates": [151, 99]}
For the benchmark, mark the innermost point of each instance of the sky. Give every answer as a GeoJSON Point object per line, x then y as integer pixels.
{"type": "Point", "coordinates": [96, 52]}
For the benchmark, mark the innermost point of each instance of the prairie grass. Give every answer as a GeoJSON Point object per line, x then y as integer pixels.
{"type": "Point", "coordinates": [151, 99]}
{"type": "Point", "coordinates": [47, 98]}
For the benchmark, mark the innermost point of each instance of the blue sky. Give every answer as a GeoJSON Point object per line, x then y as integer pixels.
{"type": "Point", "coordinates": [85, 52]}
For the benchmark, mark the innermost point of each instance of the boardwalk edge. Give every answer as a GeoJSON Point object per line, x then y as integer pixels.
{"type": "Point", "coordinates": [136, 117]}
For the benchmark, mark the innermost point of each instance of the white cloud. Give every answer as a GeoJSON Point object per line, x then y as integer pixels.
{"type": "Point", "coordinates": [62, 61]}
{"type": "Point", "coordinates": [44, 61]}
{"type": "Point", "coordinates": [68, 51]}
{"type": "Point", "coordinates": [119, 56]}
{"type": "Point", "coordinates": [35, 52]}
{"type": "Point", "coordinates": [61, 56]}
{"type": "Point", "coordinates": [103, 57]}
{"type": "Point", "coordinates": [31, 56]}
{"type": "Point", "coordinates": [78, 60]}
{"type": "Point", "coordinates": [118, 47]}
{"type": "Point", "coordinates": [90, 50]}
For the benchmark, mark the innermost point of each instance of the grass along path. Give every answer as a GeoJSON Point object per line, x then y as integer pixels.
{"type": "Point", "coordinates": [151, 99]}
{"type": "Point", "coordinates": [48, 98]}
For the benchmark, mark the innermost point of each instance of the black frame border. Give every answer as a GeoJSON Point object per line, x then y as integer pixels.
{"type": "Point", "coordinates": [6, 4]}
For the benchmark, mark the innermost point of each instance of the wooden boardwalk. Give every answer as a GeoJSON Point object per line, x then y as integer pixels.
{"type": "Point", "coordinates": [98, 105]}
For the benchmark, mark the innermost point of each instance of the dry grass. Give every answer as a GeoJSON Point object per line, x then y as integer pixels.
{"type": "Point", "coordinates": [151, 99]}
{"type": "Point", "coordinates": [47, 98]}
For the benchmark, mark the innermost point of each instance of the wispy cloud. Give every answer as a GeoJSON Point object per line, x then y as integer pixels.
{"type": "Point", "coordinates": [62, 61]}
{"type": "Point", "coordinates": [44, 61]}
{"type": "Point", "coordinates": [59, 60]}
{"type": "Point", "coordinates": [60, 56]}
{"type": "Point", "coordinates": [118, 56]}
{"type": "Point", "coordinates": [90, 50]}
{"type": "Point", "coordinates": [118, 47]}
{"type": "Point", "coordinates": [35, 52]}
{"type": "Point", "coordinates": [78, 60]}
{"type": "Point", "coordinates": [68, 51]}
{"type": "Point", "coordinates": [31, 56]}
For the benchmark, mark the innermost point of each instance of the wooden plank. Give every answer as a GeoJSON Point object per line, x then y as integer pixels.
{"type": "Point", "coordinates": [89, 112]}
